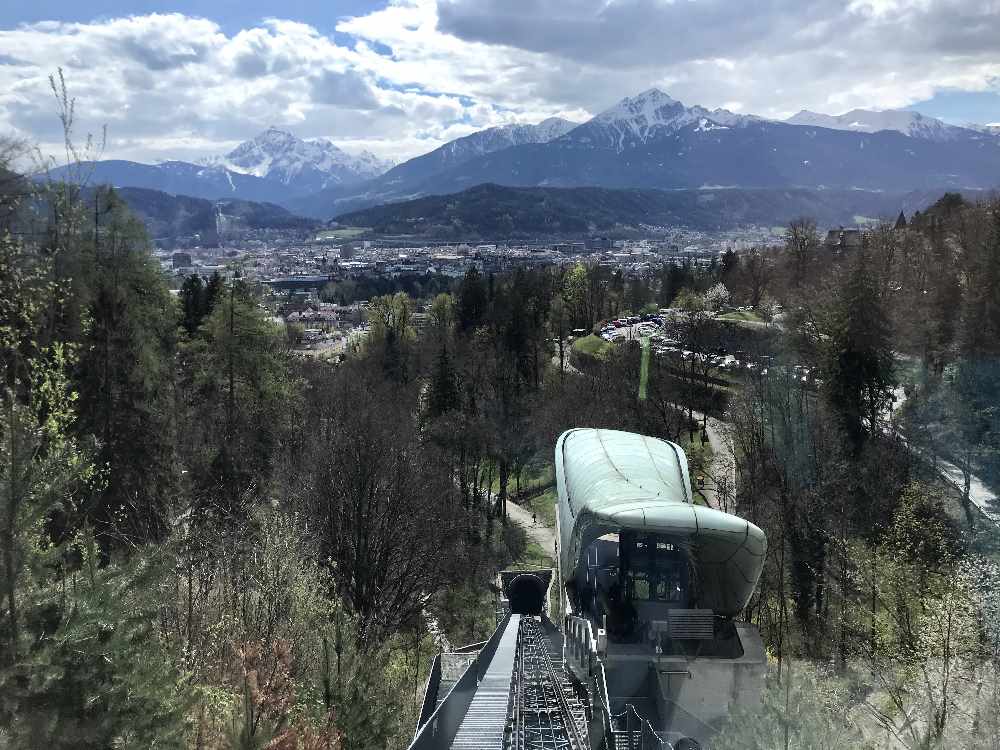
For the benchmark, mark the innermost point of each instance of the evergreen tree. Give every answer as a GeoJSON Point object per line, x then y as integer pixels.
{"type": "Point", "coordinates": [472, 300]}
{"type": "Point", "coordinates": [638, 295]}
{"type": "Point", "coordinates": [124, 377]}
{"type": "Point", "coordinates": [193, 303]}
{"type": "Point", "coordinates": [729, 266]}
{"type": "Point", "coordinates": [241, 399]}
{"type": "Point", "coordinates": [860, 375]}
{"type": "Point", "coordinates": [214, 290]}
{"type": "Point", "coordinates": [96, 676]}
{"type": "Point", "coordinates": [673, 278]}
{"type": "Point", "coordinates": [443, 395]}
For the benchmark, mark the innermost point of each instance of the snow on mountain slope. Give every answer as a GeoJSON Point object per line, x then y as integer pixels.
{"type": "Point", "coordinates": [903, 121]}
{"type": "Point", "coordinates": [307, 165]}
{"type": "Point", "coordinates": [652, 114]}
{"type": "Point", "coordinates": [504, 136]}
{"type": "Point", "coordinates": [991, 128]}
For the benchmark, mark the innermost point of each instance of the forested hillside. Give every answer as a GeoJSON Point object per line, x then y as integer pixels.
{"type": "Point", "coordinates": [497, 212]}
{"type": "Point", "coordinates": [168, 216]}
{"type": "Point", "coordinates": [210, 542]}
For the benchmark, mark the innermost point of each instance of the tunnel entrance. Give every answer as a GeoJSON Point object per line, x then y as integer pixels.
{"type": "Point", "coordinates": [526, 593]}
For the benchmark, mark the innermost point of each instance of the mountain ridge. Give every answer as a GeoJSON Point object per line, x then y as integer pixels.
{"type": "Point", "coordinates": [907, 122]}
{"type": "Point", "coordinates": [307, 164]}
{"type": "Point", "coordinates": [652, 141]}
{"type": "Point", "coordinates": [490, 211]}
{"type": "Point", "coordinates": [648, 141]}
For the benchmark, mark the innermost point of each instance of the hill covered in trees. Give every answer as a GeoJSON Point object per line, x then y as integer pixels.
{"type": "Point", "coordinates": [168, 216]}
{"type": "Point", "coordinates": [498, 212]}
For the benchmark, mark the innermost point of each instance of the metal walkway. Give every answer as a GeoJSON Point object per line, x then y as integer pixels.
{"type": "Point", "coordinates": [486, 719]}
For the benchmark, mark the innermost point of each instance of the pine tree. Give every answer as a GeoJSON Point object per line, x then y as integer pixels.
{"type": "Point", "coordinates": [192, 303]}
{"type": "Point", "coordinates": [96, 675]}
{"type": "Point", "coordinates": [443, 395]}
{"type": "Point", "coordinates": [860, 374]}
{"type": "Point", "coordinates": [124, 377]}
{"type": "Point", "coordinates": [241, 399]}
{"type": "Point", "coordinates": [472, 300]}
{"type": "Point", "coordinates": [214, 290]}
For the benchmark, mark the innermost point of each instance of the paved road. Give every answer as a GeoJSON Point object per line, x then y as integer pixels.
{"type": "Point", "coordinates": [980, 494]}
{"type": "Point", "coordinates": [720, 475]}
{"type": "Point", "coordinates": [567, 367]}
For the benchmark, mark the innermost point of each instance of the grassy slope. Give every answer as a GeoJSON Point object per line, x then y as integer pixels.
{"type": "Point", "coordinates": [592, 345]}
{"type": "Point", "coordinates": [739, 316]}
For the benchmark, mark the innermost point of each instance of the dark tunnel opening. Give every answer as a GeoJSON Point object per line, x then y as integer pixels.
{"type": "Point", "coordinates": [527, 594]}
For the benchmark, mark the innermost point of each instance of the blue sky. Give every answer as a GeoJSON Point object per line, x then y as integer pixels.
{"type": "Point", "coordinates": [960, 107]}
{"type": "Point", "coordinates": [192, 78]}
{"type": "Point", "coordinates": [232, 15]}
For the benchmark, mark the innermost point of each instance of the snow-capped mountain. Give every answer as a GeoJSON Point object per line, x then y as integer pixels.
{"type": "Point", "coordinates": [652, 114]}
{"type": "Point", "coordinates": [405, 179]}
{"type": "Point", "coordinates": [991, 128]}
{"type": "Point", "coordinates": [649, 140]}
{"type": "Point", "coordinates": [486, 142]}
{"type": "Point", "coordinates": [654, 141]}
{"type": "Point", "coordinates": [902, 121]}
{"type": "Point", "coordinates": [303, 165]}
{"type": "Point", "coordinates": [273, 167]}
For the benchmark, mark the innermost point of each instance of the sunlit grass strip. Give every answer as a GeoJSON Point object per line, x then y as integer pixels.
{"type": "Point", "coordinates": [644, 369]}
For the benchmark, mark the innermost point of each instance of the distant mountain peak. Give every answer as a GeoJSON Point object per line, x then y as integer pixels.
{"type": "Point", "coordinates": [504, 136]}
{"type": "Point", "coordinates": [277, 154]}
{"type": "Point", "coordinates": [651, 114]}
{"type": "Point", "coordinates": [905, 121]}
{"type": "Point", "coordinates": [654, 94]}
{"type": "Point", "coordinates": [646, 104]}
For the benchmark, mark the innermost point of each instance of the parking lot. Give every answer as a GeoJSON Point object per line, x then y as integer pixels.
{"type": "Point", "coordinates": [635, 328]}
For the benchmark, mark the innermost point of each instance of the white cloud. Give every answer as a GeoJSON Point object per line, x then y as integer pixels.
{"type": "Point", "coordinates": [419, 72]}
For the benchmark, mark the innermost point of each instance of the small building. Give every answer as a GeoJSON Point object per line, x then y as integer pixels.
{"type": "Point", "coordinates": [600, 243]}
{"type": "Point", "coordinates": [844, 240]}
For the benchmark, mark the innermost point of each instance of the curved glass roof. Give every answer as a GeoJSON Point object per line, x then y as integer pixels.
{"type": "Point", "coordinates": [609, 468]}
{"type": "Point", "coordinates": [611, 480]}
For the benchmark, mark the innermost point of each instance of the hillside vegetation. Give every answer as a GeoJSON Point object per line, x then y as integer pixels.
{"type": "Point", "coordinates": [497, 212]}
{"type": "Point", "coordinates": [168, 216]}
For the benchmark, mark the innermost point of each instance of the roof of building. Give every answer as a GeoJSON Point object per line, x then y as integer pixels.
{"type": "Point", "coordinates": [614, 480]}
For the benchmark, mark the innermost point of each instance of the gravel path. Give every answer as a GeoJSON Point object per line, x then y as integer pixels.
{"type": "Point", "coordinates": [720, 477]}
{"type": "Point", "coordinates": [537, 532]}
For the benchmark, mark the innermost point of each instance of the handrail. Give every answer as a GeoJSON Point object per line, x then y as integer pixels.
{"type": "Point", "coordinates": [450, 712]}
{"type": "Point", "coordinates": [648, 739]}
{"type": "Point", "coordinates": [431, 688]}
{"type": "Point", "coordinates": [579, 632]}
{"type": "Point", "coordinates": [579, 636]}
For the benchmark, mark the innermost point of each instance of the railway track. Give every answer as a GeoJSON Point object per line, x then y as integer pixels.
{"type": "Point", "coordinates": [547, 714]}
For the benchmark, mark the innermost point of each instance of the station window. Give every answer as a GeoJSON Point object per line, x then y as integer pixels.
{"type": "Point", "coordinates": [655, 570]}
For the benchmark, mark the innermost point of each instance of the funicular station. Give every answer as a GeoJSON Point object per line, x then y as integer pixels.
{"type": "Point", "coordinates": [633, 641]}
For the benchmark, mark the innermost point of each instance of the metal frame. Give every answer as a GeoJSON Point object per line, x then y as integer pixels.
{"type": "Point", "coordinates": [547, 714]}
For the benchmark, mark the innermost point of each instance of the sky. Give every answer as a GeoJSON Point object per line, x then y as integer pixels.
{"type": "Point", "coordinates": [193, 78]}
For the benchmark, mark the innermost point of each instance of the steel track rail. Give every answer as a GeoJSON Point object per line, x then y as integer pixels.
{"type": "Point", "coordinates": [543, 717]}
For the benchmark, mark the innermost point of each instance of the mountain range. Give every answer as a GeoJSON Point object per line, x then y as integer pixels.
{"type": "Point", "coordinates": [651, 141]}
{"type": "Point", "coordinates": [647, 141]}
{"type": "Point", "coordinates": [274, 166]}
{"type": "Point", "coordinates": [394, 184]}
{"type": "Point", "coordinates": [902, 121]}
